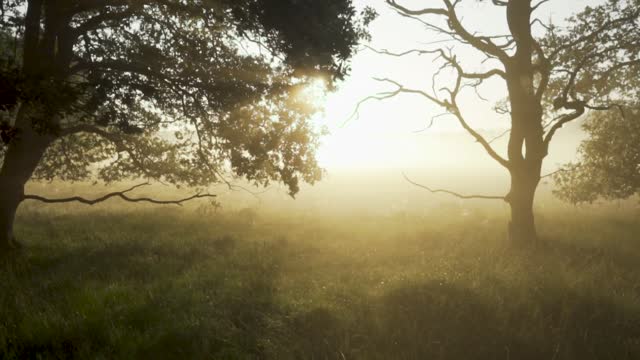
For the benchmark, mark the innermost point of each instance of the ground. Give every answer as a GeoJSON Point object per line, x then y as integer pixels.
{"type": "Point", "coordinates": [147, 282]}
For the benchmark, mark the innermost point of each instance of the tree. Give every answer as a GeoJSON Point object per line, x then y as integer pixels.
{"type": "Point", "coordinates": [609, 165]}
{"type": "Point", "coordinates": [179, 91]}
{"type": "Point", "coordinates": [549, 81]}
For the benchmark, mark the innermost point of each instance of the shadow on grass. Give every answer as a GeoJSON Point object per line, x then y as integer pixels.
{"type": "Point", "coordinates": [135, 300]}
{"type": "Point", "coordinates": [166, 298]}
{"type": "Point", "coordinates": [577, 255]}
{"type": "Point", "coordinates": [443, 321]}
{"type": "Point", "coordinates": [431, 321]}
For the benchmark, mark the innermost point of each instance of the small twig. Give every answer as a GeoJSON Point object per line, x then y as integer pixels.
{"type": "Point", "coordinates": [458, 195]}
{"type": "Point", "coordinates": [380, 96]}
{"type": "Point", "coordinates": [433, 119]}
{"type": "Point", "coordinates": [120, 194]}
{"type": "Point", "coordinates": [536, 6]}
{"type": "Point", "coordinates": [553, 173]}
{"type": "Point", "coordinates": [499, 136]}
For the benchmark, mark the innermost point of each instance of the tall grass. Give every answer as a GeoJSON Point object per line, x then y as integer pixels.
{"type": "Point", "coordinates": [164, 283]}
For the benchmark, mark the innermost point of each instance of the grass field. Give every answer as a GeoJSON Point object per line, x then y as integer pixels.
{"type": "Point", "coordinates": [160, 283]}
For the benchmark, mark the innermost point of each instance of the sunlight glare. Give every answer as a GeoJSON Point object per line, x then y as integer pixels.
{"type": "Point", "coordinates": [315, 92]}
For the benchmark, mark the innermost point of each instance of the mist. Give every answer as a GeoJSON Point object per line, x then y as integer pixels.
{"type": "Point", "coordinates": [337, 179]}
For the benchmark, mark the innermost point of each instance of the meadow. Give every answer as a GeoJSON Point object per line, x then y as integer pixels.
{"type": "Point", "coordinates": [163, 283]}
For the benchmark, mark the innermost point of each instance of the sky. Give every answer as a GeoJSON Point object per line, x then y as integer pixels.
{"type": "Point", "coordinates": [391, 134]}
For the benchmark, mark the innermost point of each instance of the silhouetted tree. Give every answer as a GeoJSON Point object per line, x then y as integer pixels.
{"type": "Point", "coordinates": [549, 80]}
{"type": "Point", "coordinates": [178, 91]}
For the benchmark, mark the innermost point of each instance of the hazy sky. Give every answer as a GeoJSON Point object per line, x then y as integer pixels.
{"type": "Point", "coordinates": [385, 135]}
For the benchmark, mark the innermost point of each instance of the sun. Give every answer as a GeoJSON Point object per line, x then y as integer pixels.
{"type": "Point", "coordinates": [314, 92]}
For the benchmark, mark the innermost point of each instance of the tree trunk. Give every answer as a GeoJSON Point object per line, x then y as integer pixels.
{"type": "Point", "coordinates": [19, 165]}
{"type": "Point", "coordinates": [46, 56]}
{"type": "Point", "coordinates": [526, 149]}
{"type": "Point", "coordinates": [10, 198]}
{"type": "Point", "coordinates": [20, 161]}
{"type": "Point", "coordinates": [522, 228]}
{"type": "Point", "coordinates": [526, 154]}
{"type": "Point", "coordinates": [526, 134]}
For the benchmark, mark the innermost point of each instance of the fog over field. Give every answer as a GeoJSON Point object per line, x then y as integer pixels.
{"type": "Point", "coordinates": [335, 179]}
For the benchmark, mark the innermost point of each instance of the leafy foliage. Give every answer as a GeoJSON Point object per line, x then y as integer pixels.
{"type": "Point", "coordinates": [610, 160]}
{"type": "Point", "coordinates": [598, 54]}
{"type": "Point", "coordinates": [602, 72]}
{"type": "Point", "coordinates": [180, 91]}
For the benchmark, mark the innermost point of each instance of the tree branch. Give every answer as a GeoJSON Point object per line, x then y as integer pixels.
{"type": "Point", "coordinates": [117, 140]}
{"type": "Point", "coordinates": [449, 105]}
{"type": "Point", "coordinates": [551, 174]}
{"type": "Point", "coordinates": [536, 6]}
{"type": "Point", "coordinates": [379, 97]}
{"type": "Point", "coordinates": [481, 43]}
{"type": "Point", "coordinates": [592, 35]}
{"type": "Point", "coordinates": [402, 89]}
{"type": "Point", "coordinates": [458, 195]}
{"type": "Point", "coordinates": [97, 21]}
{"type": "Point", "coordinates": [564, 119]}
{"type": "Point", "coordinates": [498, 137]}
{"type": "Point", "coordinates": [118, 194]}
{"type": "Point", "coordinates": [428, 11]}
{"type": "Point", "coordinates": [466, 75]}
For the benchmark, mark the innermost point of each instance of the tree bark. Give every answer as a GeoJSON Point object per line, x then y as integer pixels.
{"type": "Point", "coordinates": [20, 161]}
{"type": "Point", "coordinates": [9, 201]}
{"type": "Point", "coordinates": [526, 141]}
{"type": "Point", "coordinates": [525, 170]}
{"type": "Point", "coordinates": [26, 150]}
{"type": "Point", "coordinates": [526, 154]}
{"type": "Point", "coordinates": [522, 227]}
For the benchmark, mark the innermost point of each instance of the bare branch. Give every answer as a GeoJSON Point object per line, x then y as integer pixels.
{"type": "Point", "coordinates": [408, 52]}
{"type": "Point", "coordinates": [553, 173]}
{"type": "Point", "coordinates": [564, 119]}
{"type": "Point", "coordinates": [456, 111]}
{"type": "Point", "coordinates": [536, 6]}
{"type": "Point", "coordinates": [485, 75]}
{"type": "Point", "coordinates": [481, 43]}
{"type": "Point", "coordinates": [433, 27]}
{"type": "Point", "coordinates": [402, 89]}
{"type": "Point", "coordinates": [118, 194]}
{"type": "Point", "coordinates": [499, 136]}
{"type": "Point", "coordinates": [607, 107]}
{"type": "Point", "coordinates": [449, 105]}
{"type": "Point", "coordinates": [485, 144]}
{"type": "Point", "coordinates": [428, 11]}
{"type": "Point", "coordinates": [433, 120]}
{"type": "Point", "coordinates": [539, 22]}
{"type": "Point", "coordinates": [379, 97]}
{"type": "Point", "coordinates": [458, 195]}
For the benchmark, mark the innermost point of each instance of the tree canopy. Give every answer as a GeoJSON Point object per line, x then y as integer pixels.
{"type": "Point", "coordinates": [605, 75]}
{"type": "Point", "coordinates": [609, 163]}
{"type": "Point", "coordinates": [179, 91]}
